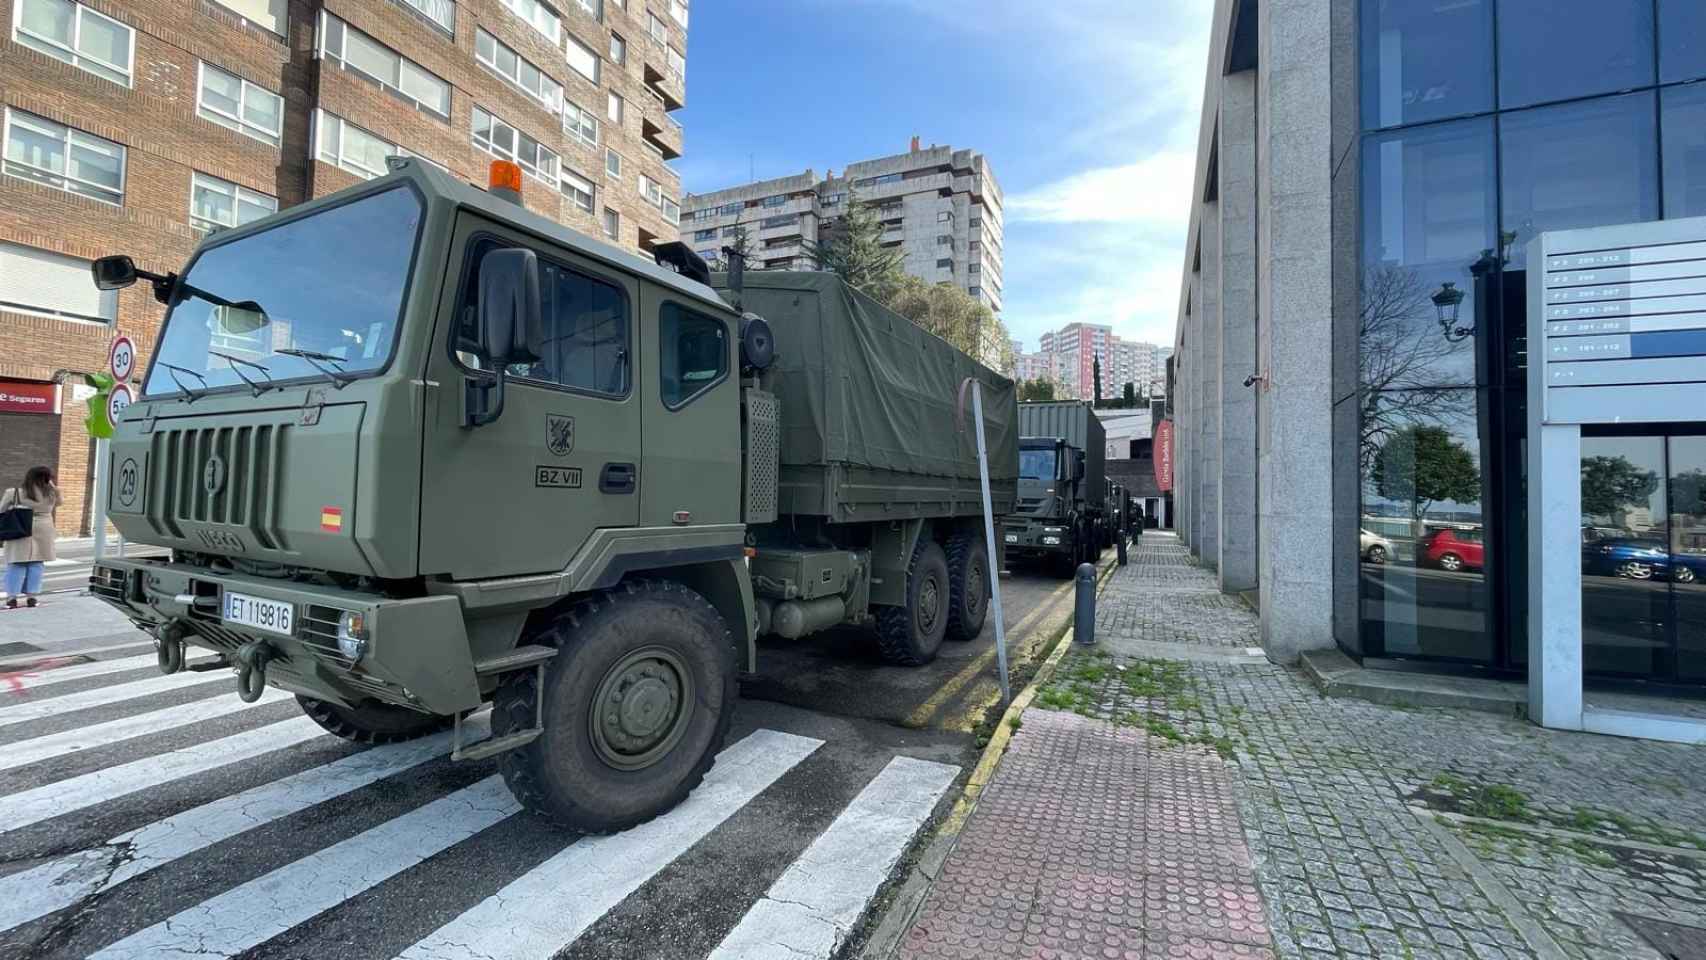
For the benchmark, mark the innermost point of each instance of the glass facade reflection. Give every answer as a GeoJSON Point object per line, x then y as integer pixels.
{"type": "Point", "coordinates": [1486, 122]}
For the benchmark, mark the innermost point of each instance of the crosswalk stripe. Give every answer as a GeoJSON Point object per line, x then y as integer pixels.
{"type": "Point", "coordinates": [50, 800]}
{"type": "Point", "coordinates": [39, 891]}
{"type": "Point", "coordinates": [812, 907]}
{"type": "Point", "coordinates": [126, 728]}
{"type": "Point", "coordinates": [549, 906]}
{"type": "Point", "coordinates": [102, 696]}
{"type": "Point", "coordinates": [32, 679]}
{"type": "Point", "coordinates": [25, 659]}
{"type": "Point", "coordinates": [267, 906]}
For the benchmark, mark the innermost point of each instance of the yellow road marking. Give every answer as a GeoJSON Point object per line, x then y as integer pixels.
{"type": "Point", "coordinates": [979, 664]}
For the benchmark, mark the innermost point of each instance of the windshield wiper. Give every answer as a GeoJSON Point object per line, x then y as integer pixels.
{"type": "Point", "coordinates": [190, 396]}
{"type": "Point", "coordinates": [317, 360]}
{"type": "Point", "coordinates": [259, 388]}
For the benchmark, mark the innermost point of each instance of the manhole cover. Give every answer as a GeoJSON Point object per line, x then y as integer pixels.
{"type": "Point", "coordinates": [1673, 941]}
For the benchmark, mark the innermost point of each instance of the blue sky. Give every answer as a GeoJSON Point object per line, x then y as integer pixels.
{"type": "Point", "coordinates": [1087, 111]}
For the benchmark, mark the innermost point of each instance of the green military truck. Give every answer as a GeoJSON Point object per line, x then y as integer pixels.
{"type": "Point", "coordinates": [1061, 517]}
{"type": "Point", "coordinates": [415, 449]}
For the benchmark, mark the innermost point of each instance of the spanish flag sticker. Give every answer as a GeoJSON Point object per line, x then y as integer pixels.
{"type": "Point", "coordinates": [331, 519]}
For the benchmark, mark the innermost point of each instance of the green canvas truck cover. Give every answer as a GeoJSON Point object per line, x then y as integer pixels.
{"type": "Point", "coordinates": [864, 387]}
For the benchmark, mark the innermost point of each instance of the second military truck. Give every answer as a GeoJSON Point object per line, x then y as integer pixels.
{"type": "Point", "coordinates": [415, 448]}
{"type": "Point", "coordinates": [1061, 518]}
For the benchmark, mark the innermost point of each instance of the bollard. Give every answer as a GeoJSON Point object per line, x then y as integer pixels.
{"type": "Point", "coordinates": [1084, 606]}
{"type": "Point", "coordinates": [1120, 543]}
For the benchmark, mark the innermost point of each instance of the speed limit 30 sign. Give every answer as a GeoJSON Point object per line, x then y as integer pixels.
{"type": "Point", "coordinates": [121, 359]}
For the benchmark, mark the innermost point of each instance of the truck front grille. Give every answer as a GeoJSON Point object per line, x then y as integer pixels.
{"type": "Point", "coordinates": [108, 584]}
{"type": "Point", "coordinates": [181, 461]}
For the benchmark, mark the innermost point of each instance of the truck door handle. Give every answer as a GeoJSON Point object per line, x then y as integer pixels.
{"type": "Point", "coordinates": [616, 478]}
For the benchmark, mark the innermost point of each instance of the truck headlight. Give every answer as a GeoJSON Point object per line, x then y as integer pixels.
{"type": "Point", "coordinates": [352, 634]}
{"type": "Point", "coordinates": [1051, 541]}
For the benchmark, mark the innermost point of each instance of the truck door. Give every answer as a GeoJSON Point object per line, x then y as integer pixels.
{"type": "Point", "coordinates": [522, 494]}
{"type": "Point", "coordinates": [692, 400]}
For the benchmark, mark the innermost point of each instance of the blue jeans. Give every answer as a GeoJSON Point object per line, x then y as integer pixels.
{"type": "Point", "coordinates": [23, 578]}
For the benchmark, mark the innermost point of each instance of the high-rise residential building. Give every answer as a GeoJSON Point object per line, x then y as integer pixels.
{"type": "Point", "coordinates": [137, 128]}
{"type": "Point", "coordinates": [1032, 366]}
{"type": "Point", "coordinates": [1069, 355]}
{"type": "Point", "coordinates": [940, 207]}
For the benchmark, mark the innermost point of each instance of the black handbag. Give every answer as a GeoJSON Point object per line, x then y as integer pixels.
{"type": "Point", "coordinates": [16, 523]}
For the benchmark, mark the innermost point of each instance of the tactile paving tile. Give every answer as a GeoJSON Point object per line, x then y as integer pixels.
{"type": "Point", "coordinates": [1097, 842]}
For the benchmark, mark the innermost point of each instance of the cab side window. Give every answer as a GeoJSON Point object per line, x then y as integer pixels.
{"type": "Point", "coordinates": [586, 329]}
{"type": "Point", "coordinates": [695, 354]}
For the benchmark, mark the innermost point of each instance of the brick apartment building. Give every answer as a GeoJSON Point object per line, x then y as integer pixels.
{"type": "Point", "coordinates": [134, 126]}
{"type": "Point", "coordinates": [1068, 357]}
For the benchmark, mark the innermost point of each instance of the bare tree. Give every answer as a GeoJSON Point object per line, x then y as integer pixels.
{"type": "Point", "coordinates": [1398, 349]}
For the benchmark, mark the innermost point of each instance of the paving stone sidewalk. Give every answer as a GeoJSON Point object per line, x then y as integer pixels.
{"type": "Point", "coordinates": [1369, 831]}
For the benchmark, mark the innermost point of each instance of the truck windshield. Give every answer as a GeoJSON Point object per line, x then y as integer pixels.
{"type": "Point", "coordinates": [328, 287]}
{"type": "Point", "coordinates": [1036, 464]}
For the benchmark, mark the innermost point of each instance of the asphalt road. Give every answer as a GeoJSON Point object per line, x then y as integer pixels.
{"type": "Point", "coordinates": [143, 816]}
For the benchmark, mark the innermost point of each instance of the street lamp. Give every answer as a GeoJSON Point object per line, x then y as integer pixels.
{"type": "Point", "coordinates": [1447, 301]}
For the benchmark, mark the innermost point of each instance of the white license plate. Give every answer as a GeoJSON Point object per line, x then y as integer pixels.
{"type": "Point", "coordinates": [269, 615]}
{"type": "Point", "coordinates": [1012, 538]}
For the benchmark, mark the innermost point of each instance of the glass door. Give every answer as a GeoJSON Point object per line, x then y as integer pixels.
{"type": "Point", "coordinates": [1687, 555]}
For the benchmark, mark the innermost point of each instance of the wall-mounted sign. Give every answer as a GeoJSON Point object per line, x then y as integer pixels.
{"type": "Point", "coordinates": [27, 396]}
{"type": "Point", "coordinates": [1164, 455]}
{"type": "Point", "coordinates": [1618, 315]}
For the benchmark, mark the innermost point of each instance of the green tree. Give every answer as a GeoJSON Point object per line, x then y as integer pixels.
{"type": "Point", "coordinates": [1422, 465]}
{"type": "Point", "coordinates": [1038, 389]}
{"type": "Point", "coordinates": [742, 242]}
{"type": "Point", "coordinates": [1097, 371]}
{"type": "Point", "coordinates": [1130, 396]}
{"type": "Point", "coordinates": [956, 316]}
{"type": "Point", "coordinates": [855, 251]}
{"type": "Point", "coordinates": [1610, 484]}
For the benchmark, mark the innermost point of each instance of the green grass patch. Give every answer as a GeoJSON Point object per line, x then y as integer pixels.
{"type": "Point", "coordinates": [1491, 801]}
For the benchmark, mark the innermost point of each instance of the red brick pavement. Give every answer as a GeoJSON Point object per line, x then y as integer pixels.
{"type": "Point", "coordinates": [1096, 841]}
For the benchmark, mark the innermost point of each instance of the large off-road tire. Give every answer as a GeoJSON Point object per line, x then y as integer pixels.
{"type": "Point", "coordinates": [637, 704]}
{"type": "Point", "coordinates": [911, 635]}
{"type": "Point", "coordinates": [968, 586]}
{"type": "Point", "coordinates": [371, 721]}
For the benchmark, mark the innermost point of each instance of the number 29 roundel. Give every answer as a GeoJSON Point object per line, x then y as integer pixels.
{"type": "Point", "coordinates": [559, 434]}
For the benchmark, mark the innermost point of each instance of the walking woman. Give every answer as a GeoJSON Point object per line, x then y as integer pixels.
{"type": "Point", "coordinates": [24, 558]}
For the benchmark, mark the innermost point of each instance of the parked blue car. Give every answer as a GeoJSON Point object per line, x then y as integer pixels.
{"type": "Point", "coordinates": [1639, 559]}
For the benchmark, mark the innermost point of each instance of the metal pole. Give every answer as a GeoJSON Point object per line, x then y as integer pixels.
{"type": "Point", "coordinates": [100, 498]}
{"type": "Point", "coordinates": [989, 538]}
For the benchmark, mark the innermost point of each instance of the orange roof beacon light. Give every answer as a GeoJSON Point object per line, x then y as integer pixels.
{"type": "Point", "coordinates": [505, 180]}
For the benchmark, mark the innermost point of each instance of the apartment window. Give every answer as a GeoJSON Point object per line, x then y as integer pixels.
{"type": "Point", "coordinates": [975, 268]}
{"type": "Point", "coordinates": [775, 201]}
{"type": "Point", "coordinates": [77, 35]}
{"type": "Point", "coordinates": [730, 209]}
{"type": "Point", "coordinates": [878, 181]}
{"type": "Point", "coordinates": [784, 220]}
{"type": "Point", "coordinates": [612, 223]}
{"type": "Point", "coordinates": [945, 216]}
{"type": "Point", "coordinates": [709, 256]}
{"type": "Point", "coordinates": [975, 291]}
{"type": "Point", "coordinates": [52, 285]}
{"type": "Point", "coordinates": [580, 123]}
{"type": "Point", "coordinates": [944, 241]}
{"type": "Point", "coordinates": [650, 189]}
{"type": "Point", "coordinates": [618, 49]}
{"type": "Point", "coordinates": [678, 10]}
{"type": "Point", "coordinates": [945, 264]}
{"type": "Point", "coordinates": [539, 17]}
{"type": "Point", "coordinates": [974, 222]}
{"type": "Point", "coordinates": [613, 108]}
{"type": "Point", "coordinates": [220, 203]}
{"type": "Point", "coordinates": [781, 263]}
{"type": "Point", "coordinates": [730, 231]}
{"type": "Point", "coordinates": [833, 199]}
{"type": "Point", "coordinates": [704, 214]}
{"type": "Point", "coordinates": [500, 139]}
{"type": "Point", "coordinates": [579, 189]}
{"type": "Point", "coordinates": [671, 210]}
{"type": "Point", "coordinates": [582, 59]}
{"type": "Point", "coordinates": [655, 27]}
{"type": "Point", "coordinates": [59, 156]}
{"type": "Point", "coordinates": [593, 7]}
{"type": "Point", "coordinates": [347, 146]}
{"type": "Point", "coordinates": [233, 102]}
{"type": "Point", "coordinates": [613, 163]}
{"type": "Point", "coordinates": [357, 51]}
{"type": "Point", "coordinates": [269, 15]}
{"type": "Point", "coordinates": [677, 62]}
{"type": "Point", "coordinates": [518, 70]}
{"type": "Point", "coordinates": [442, 13]}
{"type": "Point", "coordinates": [701, 235]}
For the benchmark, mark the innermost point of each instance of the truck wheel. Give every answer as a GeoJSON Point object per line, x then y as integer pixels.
{"type": "Point", "coordinates": [637, 703]}
{"type": "Point", "coordinates": [371, 721]}
{"type": "Point", "coordinates": [912, 634]}
{"type": "Point", "coordinates": [968, 586]}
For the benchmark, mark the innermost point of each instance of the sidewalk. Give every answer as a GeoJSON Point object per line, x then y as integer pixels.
{"type": "Point", "coordinates": [1169, 794]}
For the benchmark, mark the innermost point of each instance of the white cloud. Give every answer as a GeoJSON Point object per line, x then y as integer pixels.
{"type": "Point", "coordinates": [1155, 190]}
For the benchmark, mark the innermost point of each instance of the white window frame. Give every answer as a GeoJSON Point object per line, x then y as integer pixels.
{"type": "Point", "coordinates": [592, 54]}
{"type": "Point", "coordinates": [70, 53]}
{"type": "Point", "coordinates": [421, 7]}
{"type": "Point", "coordinates": [46, 177]}
{"type": "Point", "coordinates": [394, 88]}
{"type": "Point", "coordinates": [618, 48]}
{"type": "Point", "coordinates": [238, 194]}
{"type": "Point", "coordinates": [678, 12]}
{"type": "Point", "coordinates": [656, 29]}
{"type": "Point", "coordinates": [650, 190]}
{"type": "Point", "coordinates": [677, 61]}
{"type": "Point", "coordinates": [107, 305]}
{"type": "Point", "coordinates": [572, 112]}
{"type": "Point", "coordinates": [671, 209]}
{"type": "Point", "coordinates": [341, 160]}
{"type": "Point", "coordinates": [612, 169]}
{"type": "Point", "coordinates": [524, 11]}
{"type": "Point", "coordinates": [242, 126]}
{"type": "Point", "coordinates": [591, 190]}
{"type": "Point", "coordinates": [610, 224]}
{"type": "Point", "coordinates": [553, 104]}
{"type": "Point", "coordinates": [531, 169]}
{"type": "Point", "coordinates": [594, 8]}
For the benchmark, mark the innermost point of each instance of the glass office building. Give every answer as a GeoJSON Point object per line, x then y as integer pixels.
{"type": "Point", "coordinates": [1482, 124]}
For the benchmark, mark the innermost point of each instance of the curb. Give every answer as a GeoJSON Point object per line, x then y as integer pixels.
{"type": "Point", "coordinates": [901, 911]}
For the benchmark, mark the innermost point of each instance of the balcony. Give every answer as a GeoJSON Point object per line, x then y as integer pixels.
{"type": "Point", "coordinates": [662, 139]}
{"type": "Point", "coordinates": [664, 84]}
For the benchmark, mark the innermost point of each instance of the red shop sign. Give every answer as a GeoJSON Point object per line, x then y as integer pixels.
{"type": "Point", "coordinates": [1164, 455]}
{"type": "Point", "coordinates": [28, 396]}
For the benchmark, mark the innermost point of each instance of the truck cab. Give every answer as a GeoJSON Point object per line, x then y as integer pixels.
{"type": "Point", "coordinates": [1048, 524]}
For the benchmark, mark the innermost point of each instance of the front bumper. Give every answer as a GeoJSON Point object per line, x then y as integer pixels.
{"type": "Point", "coordinates": [416, 653]}
{"type": "Point", "coordinates": [1026, 538]}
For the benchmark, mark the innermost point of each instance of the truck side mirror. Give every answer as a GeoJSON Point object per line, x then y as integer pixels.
{"type": "Point", "coordinates": [509, 318]}
{"type": "Point", "coordinates": [113, 273]}
{"type": "Point", "coordinates": [1078, 465]}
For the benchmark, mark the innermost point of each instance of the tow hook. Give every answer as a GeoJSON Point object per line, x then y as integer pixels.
{"type": "Point", "coordinates": [252, 660]}
{"type": "Point", "coordinates": [169, 647]}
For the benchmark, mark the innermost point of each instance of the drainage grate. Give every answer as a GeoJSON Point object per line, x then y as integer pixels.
{"type": "Point", "coordinates": [1673, 941]}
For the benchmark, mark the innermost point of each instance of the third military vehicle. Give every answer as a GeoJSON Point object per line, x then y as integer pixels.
{"type": "Point", "coordinates": [1061, 517]}
{"type": "Point", "coordinates": [415, 448]}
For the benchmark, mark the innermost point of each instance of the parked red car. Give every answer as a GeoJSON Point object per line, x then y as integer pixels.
{"type": "Point", "coordinates": [1454, 550]}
